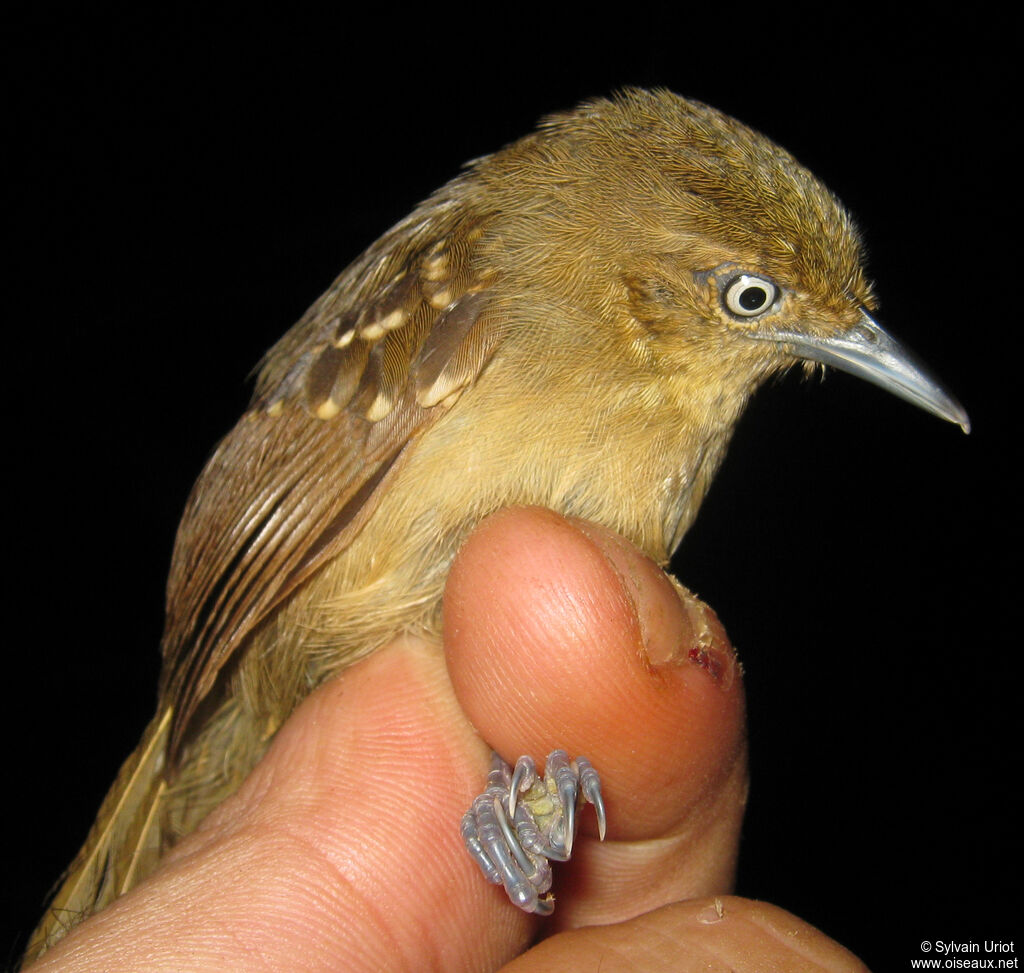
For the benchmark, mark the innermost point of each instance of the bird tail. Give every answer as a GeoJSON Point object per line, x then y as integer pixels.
{"type": "Point", "coordinates": [123, 845]}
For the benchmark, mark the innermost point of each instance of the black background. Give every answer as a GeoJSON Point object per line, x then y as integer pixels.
{"type": "Point", "coordinates": [184, 187]}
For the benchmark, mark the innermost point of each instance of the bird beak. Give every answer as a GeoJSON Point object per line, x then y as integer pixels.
{"type": "Point", "coordinates": [869, 352]}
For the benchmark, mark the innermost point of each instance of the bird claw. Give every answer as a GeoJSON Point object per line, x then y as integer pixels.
{"type": "Point", "coordinates": [522, 822]}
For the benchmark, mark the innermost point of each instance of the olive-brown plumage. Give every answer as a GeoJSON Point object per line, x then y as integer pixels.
{"type": "Point", "coordinates": [576, 321]}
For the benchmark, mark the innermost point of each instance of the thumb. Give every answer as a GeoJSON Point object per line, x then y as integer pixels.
{"type": "Point", "coordinates": [562, 634]}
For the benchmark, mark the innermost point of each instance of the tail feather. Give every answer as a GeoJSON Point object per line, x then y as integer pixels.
{"type": "Point", "coordinates": [123, 845]}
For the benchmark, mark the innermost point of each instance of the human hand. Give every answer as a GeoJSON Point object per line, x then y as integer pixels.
{"type": "Point", "coordinates": [342, 849]}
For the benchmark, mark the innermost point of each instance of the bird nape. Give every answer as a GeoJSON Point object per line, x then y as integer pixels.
{"type": "Point", "coordinates": [576, 321]}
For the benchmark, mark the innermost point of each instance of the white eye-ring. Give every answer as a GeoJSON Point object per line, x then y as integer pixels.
{"type": "Point", "coordinates": [747, 296]}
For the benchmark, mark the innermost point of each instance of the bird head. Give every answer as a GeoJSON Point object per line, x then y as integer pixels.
{"type": "Point", "coordinates": [726, 258]}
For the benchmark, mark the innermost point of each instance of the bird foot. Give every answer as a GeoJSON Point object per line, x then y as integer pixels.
{"type": "Point", "coordinates": [522, 822]}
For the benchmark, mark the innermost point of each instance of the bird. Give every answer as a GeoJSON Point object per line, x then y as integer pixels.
{"type": "Point", "coordinates": [576, 321]}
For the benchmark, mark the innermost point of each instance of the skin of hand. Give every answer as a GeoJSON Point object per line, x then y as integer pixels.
{"type": "Point", "coordinates": [341, 850]}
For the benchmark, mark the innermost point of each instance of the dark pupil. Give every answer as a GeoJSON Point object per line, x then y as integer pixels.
{"type": "Point", "coordinates": [753, 298]}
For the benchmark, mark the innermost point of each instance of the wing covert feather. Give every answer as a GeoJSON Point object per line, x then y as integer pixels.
{"type": "Point", "coordinates": [383, 354]}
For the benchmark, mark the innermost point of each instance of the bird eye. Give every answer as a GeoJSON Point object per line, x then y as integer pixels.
{"type": "Point", "coordinates": [747, 296]}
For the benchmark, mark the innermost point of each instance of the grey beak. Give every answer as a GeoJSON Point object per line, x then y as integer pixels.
{"type": "Point", "coordinates": [869, 352]}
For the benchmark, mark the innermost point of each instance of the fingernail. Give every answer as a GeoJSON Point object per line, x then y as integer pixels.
{"type": "Point", "coordinates": [708, 645]}
{"type": "Point", "coordinates": [711, 913]}
{"type": "Point", "coordinates": [675, 626]}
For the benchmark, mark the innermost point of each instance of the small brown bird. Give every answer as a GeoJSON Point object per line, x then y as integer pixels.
{"type": "Point", "coordinates": [577, 322]}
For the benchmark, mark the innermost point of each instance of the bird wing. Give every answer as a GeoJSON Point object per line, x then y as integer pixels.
{"type": "Point", "coordinates": [379, 358]}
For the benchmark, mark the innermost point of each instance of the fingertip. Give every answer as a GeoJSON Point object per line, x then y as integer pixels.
{"type": "Point", "coordinates": [720, 932]}
{"type": "Point", "coordinates": [560, 633]}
